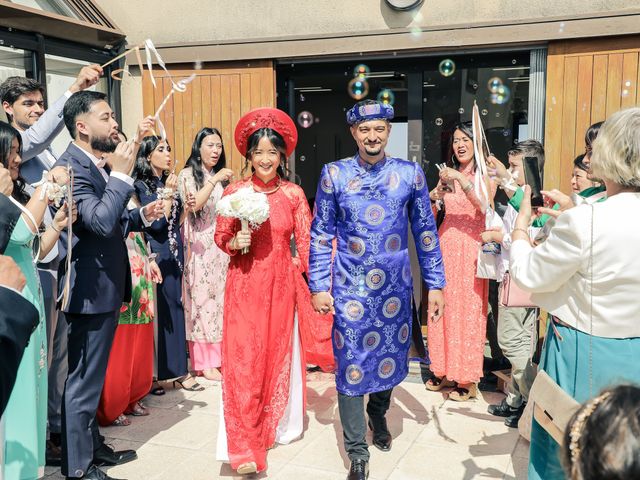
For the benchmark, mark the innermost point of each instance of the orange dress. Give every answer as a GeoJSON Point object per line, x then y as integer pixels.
{"type": "Point", "coordinates": [456, 341]}
{"type": "Point", "coordinates": [262, 290]}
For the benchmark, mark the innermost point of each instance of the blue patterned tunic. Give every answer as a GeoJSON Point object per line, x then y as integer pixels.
{"type": "Point", "coordinates": [368, 210]}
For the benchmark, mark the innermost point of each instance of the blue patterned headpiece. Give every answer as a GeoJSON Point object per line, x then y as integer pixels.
{"type": "Point", "coordinates": [370, 111]}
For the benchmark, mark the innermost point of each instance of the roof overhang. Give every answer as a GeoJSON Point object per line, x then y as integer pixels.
{"type": "Point", "coordinates": [441, 38]}
{"type": "Point", "coordinates": [29, 19]}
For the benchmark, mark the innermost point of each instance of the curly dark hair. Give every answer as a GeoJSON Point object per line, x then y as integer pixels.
{"type": "Point", "coordinates": [142, 170]}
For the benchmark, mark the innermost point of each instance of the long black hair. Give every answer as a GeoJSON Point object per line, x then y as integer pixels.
{"type": "Point", "coordinates": [195, 162]}
{"type": "Point", "coordinates": [276, 140]}
{"type": "Point", "coordinates": [142, 170]}
{"type": "Point", "coordinates": [7, 134]}
{"type": "Point", "coordinates": [467, 129]}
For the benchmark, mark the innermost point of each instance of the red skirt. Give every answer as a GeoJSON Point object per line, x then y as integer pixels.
{"type": "Point", "coordinates": [129, 372]}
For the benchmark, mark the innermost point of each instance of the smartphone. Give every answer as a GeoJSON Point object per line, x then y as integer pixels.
{"type": "Point", "coordinates": [532, 178]}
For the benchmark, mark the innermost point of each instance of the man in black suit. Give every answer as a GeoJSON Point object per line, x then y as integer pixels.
{"type": "Point", "coordinates": [99, 273]}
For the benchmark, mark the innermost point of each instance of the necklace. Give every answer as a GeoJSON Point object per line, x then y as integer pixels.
{"type": "Point", "coordinates": [267, 192]}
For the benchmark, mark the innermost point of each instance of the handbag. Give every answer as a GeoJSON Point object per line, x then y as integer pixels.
{"type": "Point", "coordinates": [488, 263]}
{"type": "Point", "coordinates": [552, 406]}
{"type": "Point", "coordinates": [513, 296]}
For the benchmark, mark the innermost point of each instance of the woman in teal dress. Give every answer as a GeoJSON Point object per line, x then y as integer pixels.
{"type": "Point", "coordinates": [25, 418]}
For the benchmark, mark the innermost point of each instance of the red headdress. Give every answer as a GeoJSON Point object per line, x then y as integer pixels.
{"type": "Point", "coordinates": [266, 118]}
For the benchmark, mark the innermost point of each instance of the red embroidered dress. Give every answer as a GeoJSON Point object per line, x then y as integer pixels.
{"type": "Point", "coordinates": [258, 325]}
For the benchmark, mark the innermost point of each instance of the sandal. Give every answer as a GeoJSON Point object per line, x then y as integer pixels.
{"type": "Point", "coordinates": [196, 387]}
{"type": "Point", "coordinates": [121, 421]}
{"type": "Point", "coordinates": [462, 394]}
{"type": "Point", "coordinates": [247, 468]}
{"type": "Point", "coordinates": [436, 384]}
{"type": "Point", "coordinates": [156, 389]}
{"type": "Point", "coordinates": [138, 410]}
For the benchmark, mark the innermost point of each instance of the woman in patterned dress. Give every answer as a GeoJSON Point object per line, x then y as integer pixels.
{"type": "Point", "coordinates": [456, 342]}
{"type": "Point", "coordinates": [200, 185]}
{"type": "Point", "coordinates": [262, 358]}
{"type": "Point", "coordinates": [130, 369]}
{"type": "Point", "coordinates": [25, 417]}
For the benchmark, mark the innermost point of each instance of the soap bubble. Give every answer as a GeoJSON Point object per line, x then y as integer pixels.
{"type": "Point", "coordinates": [305, 119]}
{"type": "Point", "coordinates": [358, 88]}
{"type": "Point", "coordinates": [501, 95]}
{"type": "Point", "coordinates": [302, 158]}
{"type": "Point", "coordinates": [447, 67]}
{"type": "Point", "coordinates": [484, 112]}
{"type": "Point", "coordinates": [416, 33]}
{"type": "Point", "coordinates": [439, 121]}
{"type": "Point", "coordinates": [461, 110]}
{"type": "Point", "coordinates": [386, 96]}
{"type": "Point", "coordinates": [494, 83]}
{"type": "Point", "coordinates": [361, 71]}
{"type": "Point", "coordinates": [506, 132]}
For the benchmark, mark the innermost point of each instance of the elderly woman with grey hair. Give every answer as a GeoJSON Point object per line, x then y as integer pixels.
{"type": "Point", "coordinates": [586, 276]}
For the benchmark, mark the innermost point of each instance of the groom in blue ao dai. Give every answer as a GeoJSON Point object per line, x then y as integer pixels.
{"type": "Point", "coordinates": [367, 204]}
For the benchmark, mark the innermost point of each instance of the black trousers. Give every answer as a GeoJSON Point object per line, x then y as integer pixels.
{"type": "Point", "coordinates": [354, 425]}
{"type": "Point", "coordinates": [90, 339]}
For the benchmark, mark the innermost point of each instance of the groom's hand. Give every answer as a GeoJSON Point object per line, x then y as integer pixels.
{"type": "Point", "coordinates": [322, 302]}
{"type": "Point", "coordinates": [435, 305]}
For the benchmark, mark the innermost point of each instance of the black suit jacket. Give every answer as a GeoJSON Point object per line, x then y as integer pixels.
{"type": "Point", "coordinates": [100, 274]}
{"type": "Point", "coordinates": [18, 319]}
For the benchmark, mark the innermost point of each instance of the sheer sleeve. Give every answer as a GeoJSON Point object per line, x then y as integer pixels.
{"type": "Point", "coordinates": [302, 227]}
{"type": "Point", "coordinates": [185, 178]}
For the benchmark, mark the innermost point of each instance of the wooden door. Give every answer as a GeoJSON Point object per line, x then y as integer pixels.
{"type": "Point", "coordinates": [587, 81]}
{"type": "Point", "coordinates": [218, 96]}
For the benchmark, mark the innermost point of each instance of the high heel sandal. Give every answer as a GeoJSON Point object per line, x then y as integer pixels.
{"type": "Point", "coordinates": [138, 410]}
{"type": "Point", "coordinates": [121, 421]}
{"type": "Point", "coordinates": [196, 387]}
{"type": "Point", "coordinates": [436, 384]}
{"type": "Point", "coordinates": [464, 393]}
{"type": "Point", "coordinates": [156, 389]}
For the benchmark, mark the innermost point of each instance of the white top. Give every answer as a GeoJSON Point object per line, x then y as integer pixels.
{"type": "Point", "coordinates": [558, 274]}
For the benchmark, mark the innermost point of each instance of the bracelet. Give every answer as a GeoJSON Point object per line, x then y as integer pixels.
{"type": "Point", "coordinates": [55, 229]}
{"type": "Point", "coordinates": [468, 187]}
{"type": "Point", "coordinates": [521, 230]}
{"type": "Point", "coordinates": [212, 183]}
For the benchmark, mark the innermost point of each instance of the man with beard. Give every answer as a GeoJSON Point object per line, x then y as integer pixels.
{"type": "Point", "coordinates": [99, 273]}
{"type": "Point", "coordinates": [366, 202]}
{"type": "Point", "coordinates": [23, 101]}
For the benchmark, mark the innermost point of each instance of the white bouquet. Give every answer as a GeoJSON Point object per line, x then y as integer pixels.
{"type": "Point", "coordinates": [247, 205]}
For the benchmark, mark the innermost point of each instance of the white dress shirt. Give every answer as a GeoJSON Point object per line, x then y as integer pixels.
{"type": "Point", "coordinates": [558, 271]}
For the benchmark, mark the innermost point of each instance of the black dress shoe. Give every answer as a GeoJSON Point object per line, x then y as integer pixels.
{"type": "Point", "coordinates": [381, 435]}
{"type": "Point", "coordinates": [502, 409]}
{"type": "Point", "coordinates": [359, 470]}
{"type": "Point", "coordinates": [106, 456]}
{"type": "Point", "coordinates": [512, 420]}
{"type": "Point", "coordinates": [94, 473]}
{"type": "Point", "coordinates": [53, 454]}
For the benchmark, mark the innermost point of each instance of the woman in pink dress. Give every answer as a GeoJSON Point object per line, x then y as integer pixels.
{"type": "Point", "coordinates": [456, 342]}
{"type": "Point", "coordinates": [200, 185]}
